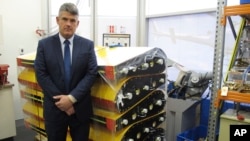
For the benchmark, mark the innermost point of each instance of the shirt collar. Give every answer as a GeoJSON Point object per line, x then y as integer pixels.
{"type": "Point", "coordinates": [62, 39]}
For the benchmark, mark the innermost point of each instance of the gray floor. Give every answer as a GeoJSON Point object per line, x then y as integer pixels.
{"type": "Point", "coordinates": [22, 133]}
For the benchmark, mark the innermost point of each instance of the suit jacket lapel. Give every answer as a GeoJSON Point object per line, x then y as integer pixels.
{"type": "Point", "coordinates": [57, 50]}
{"type": "Point", "coordinates": [75, 53]}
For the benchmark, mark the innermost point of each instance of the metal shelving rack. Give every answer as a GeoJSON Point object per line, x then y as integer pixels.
{"type": "Point", "coordinates": [217, 71]}
{"type": "Point", "coordinates": [222, 12]}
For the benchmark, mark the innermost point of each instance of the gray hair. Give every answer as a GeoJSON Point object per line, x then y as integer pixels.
{"type": "Point", "coordinates": [69, 7]}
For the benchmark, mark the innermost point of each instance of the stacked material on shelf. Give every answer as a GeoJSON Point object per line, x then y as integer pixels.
{"type": "Point", "coordinates": [238, 74]}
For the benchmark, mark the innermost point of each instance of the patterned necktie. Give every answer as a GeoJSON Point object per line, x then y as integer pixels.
{"type": "Point", "coordinates": [67, 64]}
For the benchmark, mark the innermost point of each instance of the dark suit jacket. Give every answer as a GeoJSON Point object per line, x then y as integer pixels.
{"type": "Point", "coordinates": [49, 71]}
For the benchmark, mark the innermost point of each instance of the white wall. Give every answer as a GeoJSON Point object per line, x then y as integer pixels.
{"type": "Point", "coordinates": [20, 19]}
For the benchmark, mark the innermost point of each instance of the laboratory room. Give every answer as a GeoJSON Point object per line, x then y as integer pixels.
{"type": "Point", "coordinates": [124, 70]}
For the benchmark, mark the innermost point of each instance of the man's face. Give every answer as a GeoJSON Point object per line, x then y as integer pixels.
{"type": "Point", "coordinates": [67, 24]}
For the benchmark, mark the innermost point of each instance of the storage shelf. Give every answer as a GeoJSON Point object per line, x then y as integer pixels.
{"type": "Point", "coordinates": [237, 10]}
{"type": "Point", "coordinates": [232, 96]}
{"type": "Point", "coordinates": [224, 12]}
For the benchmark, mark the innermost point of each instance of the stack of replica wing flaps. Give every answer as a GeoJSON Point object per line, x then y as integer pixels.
{"type": "Point", "coordinates": [32, 96]}
{"type": "Point", "coordinates": [129, 95]}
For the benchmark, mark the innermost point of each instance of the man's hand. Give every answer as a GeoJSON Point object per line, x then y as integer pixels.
{"type": "Point", "coordinates": [70, 111]}
{"type": "Point", "coordinates": [63, 102]}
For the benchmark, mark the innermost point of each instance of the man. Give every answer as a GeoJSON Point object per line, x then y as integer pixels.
{"type": "Point", "coordinates": [67, 99]}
